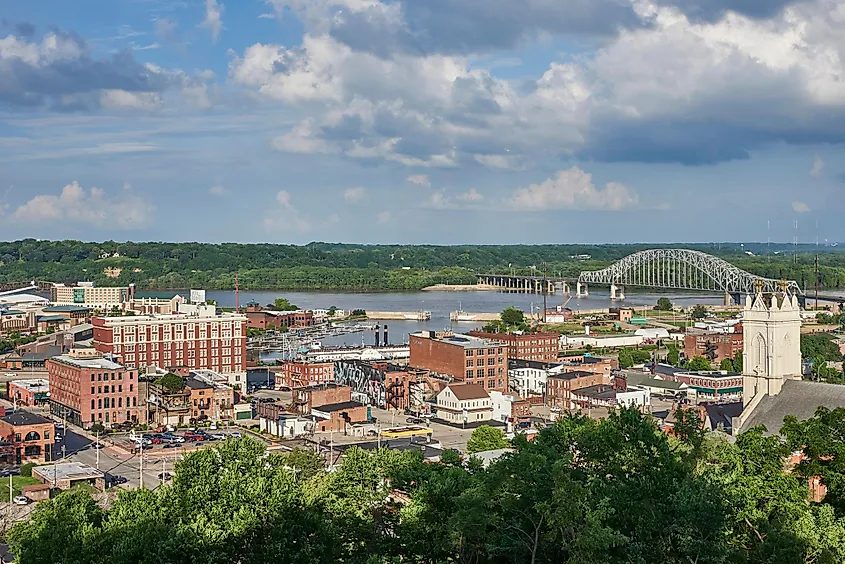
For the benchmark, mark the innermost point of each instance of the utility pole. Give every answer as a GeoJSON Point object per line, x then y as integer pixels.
{"type": "Point", "coordinates": [141, 474]}
{"type": "Point", "coordinates": [98, 450]}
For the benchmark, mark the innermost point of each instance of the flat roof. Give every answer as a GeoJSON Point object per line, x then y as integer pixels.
{"type": "Point", "coordinates": [95, 363]}
{"type": "Point", "coordinates": [599, 391]}
{"type": "Point", "coordinates": [573, 374]}
{"type": "Point", "coordinates": [460, 339]}
{"type": "Point", "coordinates": [21, 417]}
{"type": "Point", "coordinates": [65, 309]}
{"type": "Point", "coordinates": [330, 407]}
{"type": "Point", "coordinates": [67, 471]}
{"type": "Point", "coordinates": [33, 385]}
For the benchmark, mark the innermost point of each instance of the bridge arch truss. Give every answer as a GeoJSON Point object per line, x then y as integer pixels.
{"type": "Point", "coordinates": [683, 269]}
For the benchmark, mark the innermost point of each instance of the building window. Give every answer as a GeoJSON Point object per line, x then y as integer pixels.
{"type": "Point", "coordinates": [92, 404]}
{"type": "Point", "coordinates": [92, 377]}
{"type": "Point", "coordinates": [119, 402]}
{"type": "Point", "coordinates": [92, 389]}
{"type": "Point", "coordinates": [47, 435]}
{"type": "Point", "coordinates": [470, 374]}
{"type": "Point", "coordinates": [469, 363]}
{"type": "Point", "coordinates": [469, 352]}
{"type": "Point", "coordinates": [133, 402]}
{"type": "Point", "coordinates": [99, 404]}
{"type": "Point", "coordinates": [131, 386]}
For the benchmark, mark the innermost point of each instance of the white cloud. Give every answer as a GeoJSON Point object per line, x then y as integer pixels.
{"type": "Point", "coordinates": [283, 197]}
{"type": "Point", "coordinates": [573, 189]}
{"type": "Point", "coordinates": [122, 100]}
{"type": "Point", "coordinates": [440, 200]}
{"type": "Point", "coordinates": [213, 18]}
{"type": "Point", "coordinates": [818, 167]}
{"type": "Point", "coordinates": [93, 207]}
{"type": "Point", "coordinates": [218, 190]}
{"type": "Point", "coordinates": [472, 195]}
{"type": "Point", "coordinates": [354, 195]}
{"type": "Point", "coordinates": [383, 217]}
{"type": "Point", "coordinates": [301, 139]}
{"type": "Point", "coordinates": [287, 216]}
{"type": "Point", "coordinates": [800, 207]}
{"type": "Point", "coordinates": [165, 28]}
{"type": "Point", "coordinates": [419, 180]}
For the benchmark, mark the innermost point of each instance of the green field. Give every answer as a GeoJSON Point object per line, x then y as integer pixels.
{"type": "Point", "coordinates": [18, 482]}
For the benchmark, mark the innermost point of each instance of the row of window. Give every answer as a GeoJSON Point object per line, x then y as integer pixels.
{"type": "Point", "coordinates": [107, 403]}
{"type": "Point", "coordinates": [101, 377]}
{"type": "Point", "coordinates": [480, 352]}
{"type": "Point", "coordinates": [491, 372]}
{"type": "Point", "coordinates": [491, 361]}
{"type": "Point", "coordinates": [113, 417]}
{"type": "Point", "coordinates": [100, 389]}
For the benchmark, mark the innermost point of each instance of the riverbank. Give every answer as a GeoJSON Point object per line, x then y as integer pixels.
{"type": "Point", "coordinates": [460, 288]}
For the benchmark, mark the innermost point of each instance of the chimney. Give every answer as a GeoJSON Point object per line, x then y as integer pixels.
{"type": "Point", "coordinates": [385, 336]}
{"type": "Point", "coordinates": [620, 382]}
{"type": "Point", "coordinates": [377, 335]}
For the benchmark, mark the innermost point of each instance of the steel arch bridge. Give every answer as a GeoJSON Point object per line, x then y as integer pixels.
{"type": "Point", "coordinates": [683, 269]}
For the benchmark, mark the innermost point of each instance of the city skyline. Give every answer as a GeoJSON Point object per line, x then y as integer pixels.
{"type": "Point", "coordinates": [370, 121]}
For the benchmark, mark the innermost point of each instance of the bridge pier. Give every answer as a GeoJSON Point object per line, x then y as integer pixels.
{"type": "Point", "coordinates": [617, 292]}
{"type": "Point", "coordinates": [581, 290]}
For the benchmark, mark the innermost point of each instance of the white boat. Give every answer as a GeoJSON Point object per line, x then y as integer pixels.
{"type": "Point", "coordinates": [418, 316]}
{"type": "Point", "coordinates": [462, 316]}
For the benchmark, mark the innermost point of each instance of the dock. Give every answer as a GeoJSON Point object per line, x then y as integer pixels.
{"type": "Point", "coordinates": [471, 317]}
{"type": "Point", "coordinates": [399, 315]}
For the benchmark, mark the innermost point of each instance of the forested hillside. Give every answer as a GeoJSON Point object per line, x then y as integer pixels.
{"type": "Point", "coordinates": [359, 267]}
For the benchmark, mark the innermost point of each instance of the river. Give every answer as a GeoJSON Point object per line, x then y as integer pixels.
{"type": "Point", "coordinates": [441, 304]}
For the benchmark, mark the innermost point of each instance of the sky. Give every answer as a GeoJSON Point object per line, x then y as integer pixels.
{"type": "Point", "coordinates": [422, 121]}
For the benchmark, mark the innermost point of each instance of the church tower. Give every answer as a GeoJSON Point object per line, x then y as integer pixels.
{"type": "Point", "coordinates": [771, 329]}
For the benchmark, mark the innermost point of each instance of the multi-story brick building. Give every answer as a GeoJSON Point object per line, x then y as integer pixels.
{"type": "Point", "coordinates": [559, 387]}
{"type": "Point", "coordinates": [88, 295]}
{"type": "Point", "coordinates": [260, 318]}
{"type": "Point", "coordinates": [209, 400]}
{"type": "Point", "coordinates": [26, 437]}
{"type": "Point", "coordinates": [305, 398]}
{"type": "Point", "coordinates": [17, 320]}
{"type": "Point", "coordinates": [713, 346]}
{"type": "Point", "coordinates": [28, 392]}
{"type": "Point", "coordinates": [86, 388]}
{"type": "Point", "coordinates": [542, 347]}
{"type": "Point", "coordinates": [466, 358]}
{"type": "Point", "coordinates": [297, 374]}
{"type": "Point", "coordinates": [196, 338]}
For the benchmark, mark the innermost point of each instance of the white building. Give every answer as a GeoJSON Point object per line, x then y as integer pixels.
{"type": "Point", "coordinates": [601, 341]}
{"type": "Point", "coordinates": [464, 403]}
{"type": "Point", "coordinates": [86, 294]}
{"type": "Point", "coordinates": [634, 396]}
{"type": "Point", "coordinates": [529, 377]}
{"type": "Point", "coordinates": [287, 425]}
{"type": "Point", "coordinates": [502, 405]}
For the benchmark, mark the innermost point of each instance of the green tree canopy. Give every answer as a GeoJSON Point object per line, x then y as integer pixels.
{"type": "Point", "coordinates": [486, 438]}
{"type": "Point", "coordinates": [737, 362]}
{"type": "Point", "coordinates": [673, 356]}
{"type": "Point", "coordinates": [172, 383]}
{"type": "Point", "coordinates": [626, 359]}
{"type": "Point", "coordinates": [698, 363]}
{"type": "Point", "coordinates": [819, 345]}
{"type": "Point", "coordinates": [664, 304]}
{"type": "Point", "coordinates": [698, 312]}
{"type": "Point", "coordinates": [282, 304]}
{"type": "Point", "coordinates": [726, 364]}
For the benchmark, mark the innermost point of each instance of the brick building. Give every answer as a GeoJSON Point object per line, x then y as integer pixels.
{"type": "Point", "coordinates": [559, 387]}
{"type": "Point", "coordinates": [305, 398]}
{"type": "Point", "coordinates": [26, 437]}
{"type": "Point", "coordinates": [209, 400]}
{"type": "Point", "coordinates": [197, 338]}
{"type": "Point", "coordinates": [260, 318]}
{"type": "Point", "coordinates": [86, 388]}
{"type": "Point", "coordinates": [298, 374]}
{"type": "Point", "coordinates": [542, 347]}
{"type": "Point", "coordinates": [713, 346]}
{"type": "Point", "coordinates": [337, 416]}
{"type": "Point", "coordinates": [28, 392]}
{"type": "Point", "coordinates": [468, 359]}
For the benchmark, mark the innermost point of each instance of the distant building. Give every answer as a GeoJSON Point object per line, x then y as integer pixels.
{"type": "Point", "coordinates": [86, 388]}
{"type": "Point", "coordinates": [28, 392]}
{"type": "Point", "coordinates": [560, 386]}
{"type": "Point", "coordinates": [712, 385]}
{"type": "Point", "coordinates": [260, 318]}
{"type": "Point", "coordinates": [380, 383]}
{"type": "Point", "coordinates": [715, 347]}
{"type": "Point", "coordinates": [26, 437]}
{"type": "Point", "coordinates": [529, 377]}
{"type": "Point", "coordinates": [466, 358]}
{"type": "Point", "coordinates": [17, 320]}
{"type": "Point", "coordinates": [86, 294]}
{"type": "Point", "coordinates": [305, 398]}
{"type": "Point", "coordinates": [18, 360]}
{"type": "Point", "coordinates": [74, 314]}
{"type": "Point", "coordinates": [622, 314]}
{"type": "Point", "coordinates": [338, 416]}
{"type": "Point", "coordinates": [298, 373]}
{"type": "Point", "coordinates": [542, 347]}
{"type": "Point", "coordinates": [210, 400]}
{"type": "Point", "coordinates": [464, 403]}
{"type": "Point", "coordinates": [66, 475]}
{"type": "Point", "coordinates": [162, 303]}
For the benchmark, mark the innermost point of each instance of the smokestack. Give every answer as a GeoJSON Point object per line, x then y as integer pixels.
{"type": "Point", "coordinates": [377, 335]}
{"type": "Point", "coordinates": [385, 335]}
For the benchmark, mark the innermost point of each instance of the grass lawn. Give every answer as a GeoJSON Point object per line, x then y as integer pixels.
{"type": "Point", "coordinates": [18, 482]}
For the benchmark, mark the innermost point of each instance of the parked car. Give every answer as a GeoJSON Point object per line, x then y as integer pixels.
{"type": "Point", "coordinates": [194, 437]}
{"type": "Point", "coordinates": [157, 439]}
{"type": "Point", "coordinates": [414, 420]}
{"type": "Point", "coordinates": [218, 436]}
{"type": "Point", "coordinates": [97, 445]}
{"type": "Point", "coordinates": [119, 480]}
{"type": "Point", "coordinates": [20, 500]}
{"type": "Point", "coordinates": [166, 476]}
{"type": "Point", "coordinates": [170, 445]}
{"type": "Point", "coordinates": [213, 427]}
{"type": "Point", "coordinates": [171, 438]}
{"type": "Point", "coordinates": [235, 434]}
{"type": "Point", "coordinates": [142, 441]}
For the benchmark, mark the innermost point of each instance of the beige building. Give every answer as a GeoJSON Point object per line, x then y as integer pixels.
{"type": "Point", "coordinates": [86, 294]}
{"type": "Point", "coordinates": [464, 403]}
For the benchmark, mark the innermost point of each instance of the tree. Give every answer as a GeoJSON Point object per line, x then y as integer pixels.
{"type": "Point", "coordinates": [698, 364]}
{"type": "Point", "coordinates": [727, 365]}
{"type": "Point", "coordinates": [486, 438]}
{"type": "Point", "coordinates": [282, 304]}
{"type": "Point", "coordinates": [513, 317]}
{"type": "Point", "coordinates": [673, 356]}
{"type": "Point", "coordinates": [698, 312]}
{"type": "Point", "coordinates": [332, 311]}
{"type": "Point", "coordinates": [663, 304]}
{"type": "Point", "coordinates": [305, 464]}
{"type": "Point", "coordinates": [626, 359]}
{"type": "Point", "coordinates": [819, 345]}
{"type": "Point", "coordinates": [737, 362]}
{"type": "Point", "coordinates": [172, 383]}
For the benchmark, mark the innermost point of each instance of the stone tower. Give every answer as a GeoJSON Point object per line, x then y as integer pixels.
{"type": "Point", "coordinates": [771, 329]}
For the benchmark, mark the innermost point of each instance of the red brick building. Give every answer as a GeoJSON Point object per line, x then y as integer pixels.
{"type": "Point", "coordinates": [299, 374]}
{"type": "Point", "coordinates": [201, 339]}
{"type": "Point", "coordinates": [260, 318]}
{"type": "Point", "coordinates": [86, 388]}
{"type": "Point", "coordinates": [336, 416]}
{"type": "Point", "coordinates": [713, 346]}
{"type": "Point", "coordinates": [26, 437]}
{"type": "Point", "coordinates": [466, 358]}
{"type": "Point", "coordinates": [542, 347]}
{"type": "Point", "coordinates": [28, 392]}
{"type": "Point", "coordinates": [209, 400]}
{"type": "Point", "coordinates": [305, 398]}
{"type": "Point", "coordinates": [559, 387]}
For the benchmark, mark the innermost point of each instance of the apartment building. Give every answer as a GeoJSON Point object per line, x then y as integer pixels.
{"type": "Point", "coordinates": [199, 338]}
{"type": "Point", "coordinates": [86, 294]}
{"type": "Point", "coordinates": [542, 347]}
{"type": "Point", "coordinates": [297, 374]}
{"type": "Point", "coordinates": [26, 437]}
{"type": "Point", "coordinates": [559, 387]}
{"type": "Point", "coordinates": [468, 359]}
{"type": "Point", "coordinates": [715, 347]}
{"type": "Point", "coordinates": [86, 388]}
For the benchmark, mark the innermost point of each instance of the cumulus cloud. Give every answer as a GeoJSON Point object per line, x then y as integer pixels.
{"type": "Point", "coordinates": [383, 217]}
{"type": "Point", "coordinates": [818, 166]}
{"type": "Point", "coordinates": [573, 189]}
{"type": "Point", "coordinates": [419, 180]}
{"type": "Point", "coordinates": [354, 195]}
{"type": "Point", "coordinates": [286, 216]}
{"type": "Point", "coordinates": [89, 207]}
{"type": "Point", "coordinates": [440, 200]}
{"type": "Point", "coordinates": [800, 207]}
{"type": "Point", "coordinates": [218, 191]}
{"type": "Point", "coordinates": [213, 18]}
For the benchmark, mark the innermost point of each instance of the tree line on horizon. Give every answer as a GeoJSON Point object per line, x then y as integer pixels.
{"type": "Point", "coordinates": [618, 490]}
{"type": "Point", "coordinates": [319, 266]}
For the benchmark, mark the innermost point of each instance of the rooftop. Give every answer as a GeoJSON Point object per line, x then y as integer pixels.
{"type": "Point", "coordinates": [599, 391]}
{"type": "Point", "coordinates": [43, 318]}
{"type": "Point", "coordinates": [517, 363]}
{"type": "Point", "coordinates": [20, 417]}
{"type": "Point", "coordinates": [331, 407]}
{"type": "Point", "coordinates": [646, 380]}
{"type": "Point", "coordinates": [95, 363]}
{"type": "Point", "coordinates": [196, 384]}
{"type": "Point", "coordinates": [66, 309]}
{"type": "Point", "coordinates": [33, 385]}
{"type": "Point", "coordinates": [722, 414]}
{"type": "Point", "coordinates": [798, 398]}
{"type": "Point", "coordinates": [466, 341]}
{"type": "Point", "coordinates": [468, 391]}
{"type": "Point", "coordinates": [148, 295]}
{"type": "Point", "coordinates": [67, 471]}
{"type": "Point", "coordinates": [572, 375]}
{"type": "Point", "coordinates": [50, 352]}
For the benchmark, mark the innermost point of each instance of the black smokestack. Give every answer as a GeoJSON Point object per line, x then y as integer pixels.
{"type": "Point", "coordinates": [385, 335]}
{"type": "Point", "coordinates": [377, 335]}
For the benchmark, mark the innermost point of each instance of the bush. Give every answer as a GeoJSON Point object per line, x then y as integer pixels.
{"type": "Point", "coordinates": [26, 469]}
